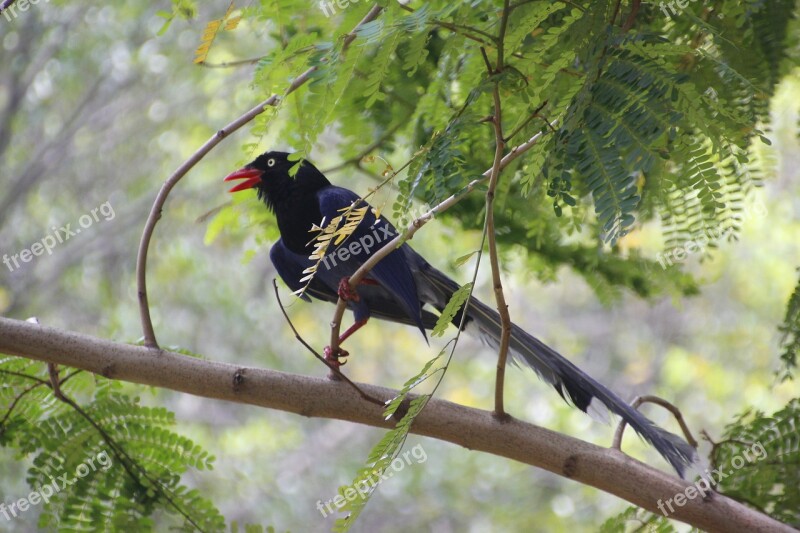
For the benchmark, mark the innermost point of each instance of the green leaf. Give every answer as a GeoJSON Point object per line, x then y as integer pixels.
{"type": "Point", "coordinates": [450, 310]}
{"type": "Point", "coordinates": [461, 261]}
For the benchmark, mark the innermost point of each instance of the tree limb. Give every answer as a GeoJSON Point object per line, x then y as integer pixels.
{"type": "Point", "coordinates": [494, 178]}
{"type": "Point", "coordinates": [475, 429]}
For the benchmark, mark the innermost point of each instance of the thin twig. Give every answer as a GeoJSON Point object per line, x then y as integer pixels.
{"type": "Point", "coordinates": [526, 122]}
{"type": "Point", "coordinates": [567, 2]}
{"type": "Point", "coordinates": [415, 225]}
{"type": "Point", "coordinates": [616, 12]}
{"type": "Point", "coordinates": [55, 384]}
{"type": "Point", "coordinates": [459, 29]}
{"type": "Point", "coordinates": [24, 376]}
{"type": "Point", "coordinates": [155, 213]}
{"type": "Point", "coordinates": [14, 405]}
{"type": "Point", "coordinates": [330, 365]}
{"type": "Point", "coordinates": [550, 125]}
{"type": "Point", "coordinates": [617, 442]}
{"type": "Point", "coordinates": [494, 261]}
{"type": "Point", "coordinates": [232, 64]}
{"type": "Point", "coordinates": [486, 60]}
{"type": "Point", "coordinates": [371, 15]}
{"type": "Point", "coordinates": [497, 283]}
{"type": "Point", "coordinates": [368, 150]}
{"type": "Point", "coordinates": [501, 36]}
{"type": "Point", "coordinates": [455, 27]}
{"type": "Point", "coordinates": [631, 16]}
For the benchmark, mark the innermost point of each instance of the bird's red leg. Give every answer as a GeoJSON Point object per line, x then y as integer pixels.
{"type": "Point", "coordinates": [346, 292]}
{"type": "Point", "coordinates": [333, 357]}
{"type": "Point", "coordinates": [352, 329]}
{"type": "Point", "coordinates": [349, 294]}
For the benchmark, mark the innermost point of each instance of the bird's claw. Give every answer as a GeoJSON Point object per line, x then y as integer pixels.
{"type": "Point", "coordinates": [334, 356]}
{"type": "Point", "coordinates": [346, 292]}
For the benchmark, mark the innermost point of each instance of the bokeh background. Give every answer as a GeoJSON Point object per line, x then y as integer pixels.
{"type": "Point", "coordinates": [96, 107]}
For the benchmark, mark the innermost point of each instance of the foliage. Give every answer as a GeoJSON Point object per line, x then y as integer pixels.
{"type": "Point", "coordinates": [451, 309]}
{"type": "Point", "coordinates": [636, 519]}
{"type": "Point", "coordinates": [791, 334]}
{"type": "Point", "coordinates": [655, 122]}
{"type": "Point", "coordinates": [769, 482]}
{"type": "Point", "coordinates": [108, 464]}
{"type": "Point", "coordinates": [378, 461]}
{"type": "Point", "coordinates": [758, 460]}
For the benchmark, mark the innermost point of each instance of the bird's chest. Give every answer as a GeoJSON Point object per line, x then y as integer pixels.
{"type": "Point", "coordinates": [295, 220]}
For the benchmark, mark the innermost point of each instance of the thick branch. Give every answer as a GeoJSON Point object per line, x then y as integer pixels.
{"type": "Point", "coordinates": [474, 429]}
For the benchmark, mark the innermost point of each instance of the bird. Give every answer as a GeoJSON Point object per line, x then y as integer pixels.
{"type": "Point", "coordinates": [404, 287]}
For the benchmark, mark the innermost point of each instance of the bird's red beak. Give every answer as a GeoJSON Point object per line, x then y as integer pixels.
{"type": "Point", "coordinates": [251, 177]}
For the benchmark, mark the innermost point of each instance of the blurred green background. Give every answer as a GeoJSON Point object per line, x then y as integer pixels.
{"type": "Point", "coordinates": [95, 107]}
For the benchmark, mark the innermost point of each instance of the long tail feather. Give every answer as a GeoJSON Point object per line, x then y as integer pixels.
{"type": "Point", "coordinates": [570, 381]}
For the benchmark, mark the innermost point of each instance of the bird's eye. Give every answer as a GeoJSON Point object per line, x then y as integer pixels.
{"type": "Point", "coordinates": [270, 162]}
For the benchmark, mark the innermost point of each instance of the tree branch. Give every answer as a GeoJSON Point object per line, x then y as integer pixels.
{"type": "Point", "coordinates": [232, 64]}
{"type": "Point", "coordinates": [494, 261]}
{"type": "Point", "coordinates": [494, 178]}
{"type": "Point", "coordinates": [617, 442]}
{"type": "Point", "coordinates": [631, 16]}
{"type": "Point", "coordinates": [475, 429]}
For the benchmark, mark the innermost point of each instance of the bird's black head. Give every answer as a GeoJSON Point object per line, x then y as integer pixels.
{"type": "Point", "coordinates": [270, 175]}
{"type": "Point", "coordinates": [293, 199]}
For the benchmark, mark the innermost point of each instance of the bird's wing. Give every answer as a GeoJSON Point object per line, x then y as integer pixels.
{"type": "Point", "coordinates": [290, 266]}
{"type": "Point", "coordinates": [379, 301]}
{"type": "Point", "coordinates": [392, 272]}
